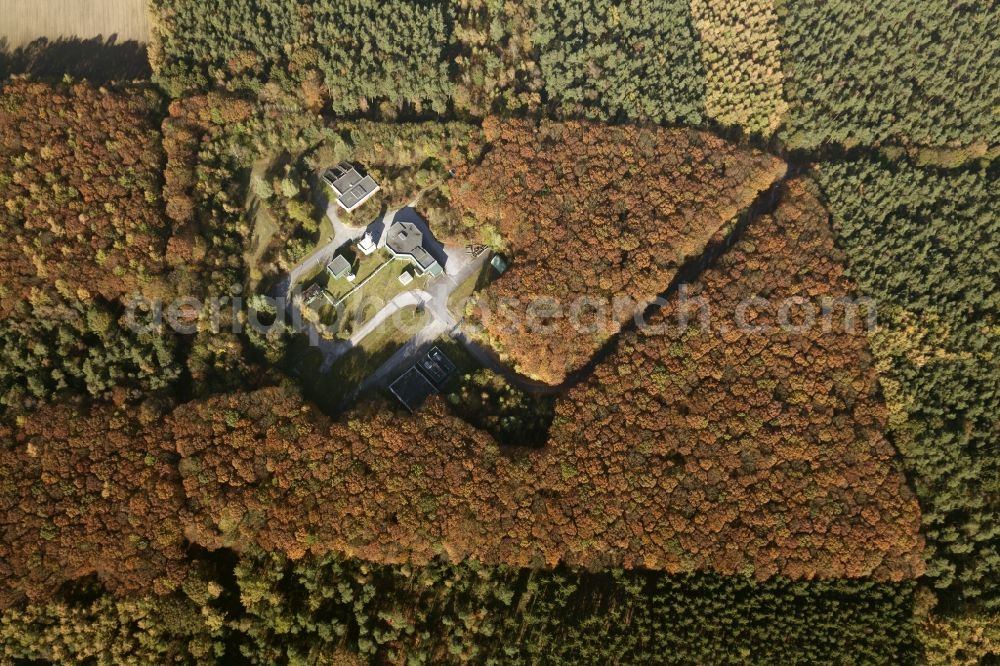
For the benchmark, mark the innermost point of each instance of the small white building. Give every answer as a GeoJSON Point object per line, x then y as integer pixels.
{"type": "Point", "coordinates": [366, 245]}
{"type": "Point", "coordinates": [405, 278]}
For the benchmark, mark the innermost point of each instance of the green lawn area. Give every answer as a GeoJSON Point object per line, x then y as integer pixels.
{"type": "Point", "coordinates": [385, 285]}
{"type": "Point", "coordinates": [330, 389]}
{"type": "Point", "coordinates": [317, 275]}
{"type": "Point", "coordinates": [338, 287]}
{"type": "Point", "coordinates": [264, 225]}
{"type": "Point", "coordinates": [363, 268]}
{"type": "Point", "coordinates": [472, 284]}
{"type": "Point", "coordinates": [380, 285]}
{"type": "Point", "coordinates": [325, 231]}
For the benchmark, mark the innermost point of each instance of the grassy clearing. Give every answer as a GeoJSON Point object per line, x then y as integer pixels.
{"type": "Point", "coordinates": [325, 232]}
{"type": "Point", "coordinates": [264, 224]}
{"type": "Point", "coordinates": [472, 284]}
{"type": "Point", "coordinates": [316, 275]}
{"type": "Point", "coordinates": [384, 286]}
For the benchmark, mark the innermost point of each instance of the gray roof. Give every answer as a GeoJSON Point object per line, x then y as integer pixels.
{"type": "Point", "coordinates": [404, 238]}
{"type": "Point", "coordinates": [498, 263]}
{"type": "Point", "coordinates": [350, 186]}
{"type": "Point", "coordinates": [363, 188]}
{"type": "Point", "coordinates": [339, 267]}
{"type": "Point", "coordinates": [342, 177]}
{"type": "Point", "coordinates": [412, 388]}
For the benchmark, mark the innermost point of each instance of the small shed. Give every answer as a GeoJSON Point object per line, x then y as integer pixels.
{"type": "Point", "coordinates": [499, 264]}
{"type": "Point", "coordinates": [339, 267]}
{"type": "Point", "coordinates": [405, 278]}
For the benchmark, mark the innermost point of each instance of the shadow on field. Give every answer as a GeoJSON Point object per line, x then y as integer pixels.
{"type": "Point", "coordinates": [98, 60]}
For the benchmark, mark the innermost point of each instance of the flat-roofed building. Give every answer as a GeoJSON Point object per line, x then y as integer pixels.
{"type": "Point", "coordinates": [405, 241]}
{"type": "Point", "coordinates": [352, 188]}
{"type": "Point", "coordinates": [339, 268]}
{"type": "Point", "coordinates": [423, 380]}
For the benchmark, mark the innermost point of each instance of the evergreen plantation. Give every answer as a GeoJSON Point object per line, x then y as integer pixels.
{"type": "Point", "coordinates": [925, 243]}
{"type": "Point", "coordinates": [894, 73]}
{"type": "Point", "coordinates": [334, 611]}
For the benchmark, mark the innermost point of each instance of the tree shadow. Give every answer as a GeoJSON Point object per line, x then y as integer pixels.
{"type": "Point", "coordinates": [98, 60]}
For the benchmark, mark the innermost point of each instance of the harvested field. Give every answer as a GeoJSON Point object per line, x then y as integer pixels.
{"type": "Point", "coordinates": [28, 20]}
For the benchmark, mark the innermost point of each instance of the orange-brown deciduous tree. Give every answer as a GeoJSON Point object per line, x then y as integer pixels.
{"type": "Point", "coordinates": [81, 190]}
{"type": "Point", "coordinates": [593, 213]}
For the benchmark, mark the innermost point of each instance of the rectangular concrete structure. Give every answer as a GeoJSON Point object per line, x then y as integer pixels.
{"type": "Point", "coordinates": [412, 388]}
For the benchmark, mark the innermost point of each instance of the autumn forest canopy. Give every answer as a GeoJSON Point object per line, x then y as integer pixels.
{"type": "Point", "coordinates": [721, 294]}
